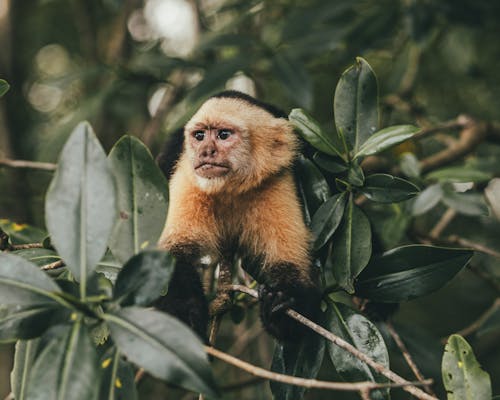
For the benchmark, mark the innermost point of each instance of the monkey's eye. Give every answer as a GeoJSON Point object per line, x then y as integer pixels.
{"type": "Point", "coordinates": [223, 134]}
{"type": "Point", "coordinates": [199, 135]}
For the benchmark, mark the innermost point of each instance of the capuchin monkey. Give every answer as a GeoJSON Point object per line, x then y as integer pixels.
{"type": "Point", "coordinates": [232, 193]}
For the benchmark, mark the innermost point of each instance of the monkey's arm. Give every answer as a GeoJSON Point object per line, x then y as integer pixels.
{"type": "Point", "coordinates": [189, 233]}
{"type": "Point", "coordinates": [277, 235]}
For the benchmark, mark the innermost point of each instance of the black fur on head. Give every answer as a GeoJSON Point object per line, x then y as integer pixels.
{"type": "Point", "coordinates": [234, 94]}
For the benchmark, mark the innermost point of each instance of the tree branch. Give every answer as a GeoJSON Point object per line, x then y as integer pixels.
{"type": "Point", "coordinates": [409, 360]}
{"type": "Point", "coordinates": [307, 383]}
{"type": "Point", "coordinates": [5, 162]}
{"type": "Point", "coordinates": [406, 385]}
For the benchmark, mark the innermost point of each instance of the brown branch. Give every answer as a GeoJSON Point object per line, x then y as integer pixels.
{"type": "Point", "coordinates": [471, 135]}
{"type": "Point", "coordinates": [26, 246]}
{"type": "Point", "coordinates": [407, 386]}
{"type": "Point", "coordinates": [55, 265]}
{"type": "Point", "coordinates": [477, 323]}
{"type": "Point", "coordinates": [5, 162]}
{"type": "Point", "coordinates": [307, 383]}
{"type": "Point", "coordinates": [409, 360]}
{"type": "Point", "coordinates": [443, 222]}
{"type": "Point", "coordinates": [177, 80]}
{"type": "Point", "coordinates": [454, 239]}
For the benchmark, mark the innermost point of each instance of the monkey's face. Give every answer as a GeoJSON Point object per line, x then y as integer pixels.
{"type": "Point", "coordinates": [212, 149]}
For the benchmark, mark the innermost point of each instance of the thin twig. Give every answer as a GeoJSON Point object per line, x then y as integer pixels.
{"type": "Point", "coordinates": [473, 245]}
{"type": "Point", "coordinates": [471, 135]}
{"type": "Point", "coordinates": [43, 166]}
{"type": "Point", "coordinates": [26, 246]}
{"type": "Point", "coordinates": [443, 222]}
{"type": "Point", "coordinates": [409, 360]}
{"type": "Point", "coordinates": [54, 265]}
{"type": "Point", "coordinates": [240, 385]}
{"type": "Point", "coordinates": [153, 126]}
{"type": "Point", "coordinates": [407, 386]}
{"type": "Point", "coordinates": [477, 323]}
{"type": "Point", "coordinates": [307, 383]}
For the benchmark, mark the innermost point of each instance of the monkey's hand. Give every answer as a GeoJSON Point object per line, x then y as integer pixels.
{"type": "Point", "coordinates": [276, 299]}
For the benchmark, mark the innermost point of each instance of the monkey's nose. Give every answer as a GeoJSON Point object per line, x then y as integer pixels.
{"type": "Point", "coordinates": [208, 152]}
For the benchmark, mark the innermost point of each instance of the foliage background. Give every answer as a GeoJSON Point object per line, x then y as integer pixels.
{"type": "Point", "coordinates": [100, 60]}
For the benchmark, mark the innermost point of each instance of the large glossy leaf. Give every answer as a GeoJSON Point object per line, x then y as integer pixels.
{"type": "Point", "coordinates": [384, 188]}
{"type": "Point", "coordinates": [67, 368]}
{"type": "Point", "coordinates": [407, 272]}
{"type": "Point", "coordinates": [118, 378]}
{"type": "Point", "coordinates": [327, 219]}
{"type": "Point", "coordinates": [386, 138]}
{"type": "Point", "coordinates": [463, 377]}
{"type": "Point", "coordinates": [310, 130]}
{"type": "Point", "coordinates": [22, 283]}
{"type": "Point", "coordinates": [362, 334]}
{"type": "Point", "coordinates": [352, 246]}
{"type": "Point", "coordinates": [355, 104]}
{"type": "Point", "coordinates": [143, 278]}
{"type": "Point", "coordinates": [295, 78]}
{"type": "Point", "coordinates": [312, 187]}
{"type": "Point", "coordinates": [163, 346]}
{"type": "Point", "coordinates": [4, 87]}
{"type": "Point", "coordinates": [80, 203]}
{"type": "Point", "coordinates": [141, 198]}
{"type": "Point", "coordinates": [466, 203]}
{"type": "Point", "coordinates": [427, 199]}
{"type": "Point", "coordinates": [28, 323]}
{"type": "Point", "coordinates": [302, 358]}
{"type": "Point", "coordinates": [24, 358]}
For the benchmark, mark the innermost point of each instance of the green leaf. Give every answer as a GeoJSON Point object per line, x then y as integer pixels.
{"type": "Point", "coordinates": [362, 334]}
{"type": "Point", "coordinates": [143, 278]}
{"type": "Point", "coordinates": [28, 323]}
{"type": "Point", "coordinates": [427, 199]}
{"type": "Point", "coordinates": [310, 130]}
{"type": "Point", "coordinates": [80, 204]}
{"type": "Point", "coordinates": [141, 198]}
{"type": "Point", "coordinates": [4, 87]}
{"type": "Point", "coordinates": [409, 165]}
{"type": "Point", "coordinates": [294, 78]}
{"type": "Point", "coordinates": [24, 358]}
{"type": "Point", "coordinates": [163, 346]}
{"type": "Point", "coordinates": [22, 283]}
{"type": "Point", "coordinates": [67, 368]}
{"type": "Point", "coordinates": [334, 165]}
{"type": "Point", "coordinates": [38, 257]}
{"type": "Point", "coordinates": [463, 377]}
{"type": "Point", "coordinates": [466, 203]}
{"type": "Point", "coordinates": [408, 272]}
{"type": "Point", "coordinates": [327, 219]}
{"type": "Point", "coordinates": [386, 138]}
{"type": "Point", "coordinates": [356, 104]}
{"type": "Point", "coordinates": [384, 188]}
{"type": "Point", "coordinates": [352, 246]}
{"type": "Point", "coordinates": [355, 175]}
{"type": "Point", "coordinates": [459, 174]}
{"type": "Point", "coordinates": [312, 187]}
{"type": "Point", "coordinates": [302, 359]}
{"type": "Point", "coordinates": [118, 378]}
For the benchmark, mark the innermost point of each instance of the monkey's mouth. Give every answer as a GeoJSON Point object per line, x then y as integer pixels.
{"type": "Point", "coordinates": [211, 170]}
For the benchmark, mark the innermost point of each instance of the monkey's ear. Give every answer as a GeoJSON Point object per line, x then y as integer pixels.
{"type": "Point", "coordinates": [170, 153]}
